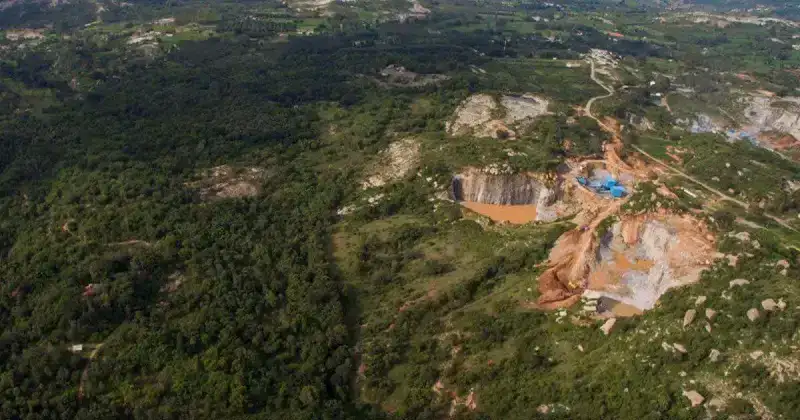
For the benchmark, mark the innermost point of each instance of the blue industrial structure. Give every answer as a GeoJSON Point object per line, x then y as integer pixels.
{"type": "Point", "coordinates": [608, 185]}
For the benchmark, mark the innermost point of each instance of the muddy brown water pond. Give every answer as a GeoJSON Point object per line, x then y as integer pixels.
{"type": "Point", "coordinates": [515, 214]}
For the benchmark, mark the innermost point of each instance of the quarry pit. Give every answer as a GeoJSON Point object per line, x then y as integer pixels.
{"type": "Point", "coordinates": [513, 198]}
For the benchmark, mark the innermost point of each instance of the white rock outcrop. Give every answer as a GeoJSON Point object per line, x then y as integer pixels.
{"type": "Point", "coordinates": [511, 189]}
{"type": "Point", "coordinates": [694, 397]}
{"type": "Point", "coordinates": [608, 325]}
{"type": "Point", "coordinates": [753, 314]}
{"type": "Point", "coordinates": [393, 164]}
{"type": "Point", "coordinates": [738, 282]}
{"type": "Point", "coordinates": [710, 314]}
{"type": "Point", "coordinates": [688, 317]}
{"type": "Point", "coordinates": [774, 114]}
{"type": "Point", "coordinates": [770, 305]}
{"type": "Point", "coordinates": [482, 115]}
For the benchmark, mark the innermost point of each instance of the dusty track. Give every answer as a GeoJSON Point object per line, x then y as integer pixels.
{"type": "Point", "coordinates": [712, 189]}
{"type": "Point", "coordinates": [85, 373]}
{"type": "Point", "coordinates": [591, 101]}
{"type": "Point", "coordinates": [569, 262]}
{"type": "Point", "coordinates": [615, 159]}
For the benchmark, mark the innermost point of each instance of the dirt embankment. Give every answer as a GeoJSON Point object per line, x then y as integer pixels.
{"type": "Point", "coordinates": [570, 262]}
{"type": "Point", "coordinates": [641, 257]}
{"type": "Point", "coordinates": [787, 144]}
{"type": "Point", "coordinates": [635, 262]}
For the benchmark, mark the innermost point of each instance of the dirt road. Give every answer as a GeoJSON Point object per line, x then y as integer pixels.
{"type": "Point", "coordinates": [591, 101]}
{"type": "Point", "coordinates": [85, 373]}
{"type": "Point", "coordinates": [712, 189]}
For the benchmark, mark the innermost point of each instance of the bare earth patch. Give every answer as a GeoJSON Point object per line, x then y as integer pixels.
{"type": "Point", "coordinates": [399, 76]}
{"type": "Point", "coordinates": [644, 256]}
{"type": "Point", "coordinates": [394, 163]}
{"type": "Point", "coordinates": [227, 182]}
{"type": "Point", "coordinates": [522, 108]}
{"type": "Point", "coordinates": [483, 116]}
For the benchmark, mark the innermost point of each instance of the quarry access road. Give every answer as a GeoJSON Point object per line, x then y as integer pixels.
{"type": "Point", "coordinates": [722, 195]}
{"type": "Point", "coordinates": [691, 178]}
{"type": "Point", "coordinates": [85, 373]}
{"type": "Point", "coordinates": [608, 89]}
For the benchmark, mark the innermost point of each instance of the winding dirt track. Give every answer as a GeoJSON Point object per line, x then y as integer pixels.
{"type": "Point", "coordinates": [608, 89]}
{"type": "Point", "coordinates": [722, 195]}
{"type": "Point", "coordinates": [85, 373]}
{"type": "Point", "coordinates": [569, 265]}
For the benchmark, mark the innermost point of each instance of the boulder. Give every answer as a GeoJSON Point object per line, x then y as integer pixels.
{"type": "Point", "coordinates": [700, 300]}
{"type": "Point", "coordinates": [679, 347]}
{"type": "Point", "coordinates": [781, 304]}
{"type": "Point", "coordinates": [755, 355]}
{"type": "Point", "coordinates": [752, 314]}
{"type": "Point", "coordinates": [717, 404]}
{"type": "Point", "coordinates": [714, 355]}
{"type": "Point", "coordinates": [769, 305]}
{"type": "Point", "coordinates": [694, 397]}
{"type": "Point", "coordinates": [606, 328]}
{"type": "Point", "coordinates": [708, 328]}
{"type": "Point", "coordinates": [738, 282]}
{"type": "Point", "coordinates": [742, 236]}
{"type": "Point", "coordinates": [710, 314]}
{"type": "Point", "coordinates": [688, 317]}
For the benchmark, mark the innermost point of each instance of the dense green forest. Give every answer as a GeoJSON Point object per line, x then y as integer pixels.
{"type": "Point", "coordinates": [132, 286]}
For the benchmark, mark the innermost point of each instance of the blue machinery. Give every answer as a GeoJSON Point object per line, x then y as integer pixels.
{"type": "Point", "coordinates": [608, 185]}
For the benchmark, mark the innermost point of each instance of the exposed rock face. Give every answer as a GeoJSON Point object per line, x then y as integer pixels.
{"type": "Point", "coordinates": [769, 305]}
{"type": "Point", "coordinates": [608, 325]}
{"type": "Point", "coordinates": [694, 397]}
{"type": "Point", "coordinates": [477, 186]}
{"type": "Point", "coordinates": [738, 282]}
{"type": "Point", "coordinates": [473, 112]}
{"type": "Point", "coordinates": [228, 182]}
{"type": "Point", "coordinates": [641, 258]}
{"type": "Point", "coordinates": [710, 314]}
{"type": "Point", "coordinates": [483, 116]}
{"type": "Point", "coordinates": [519, 108]}
{"type": "Point", "coordinates": [394, 163]}
{"type": "Point", "coordinates": [309, 4]}
{"type": "Point", "coordinates": [770, 114]}
{"type": "Point", "coordinates": [752, 314]}
{"type": "Point", "coordinates": [688, 317]}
